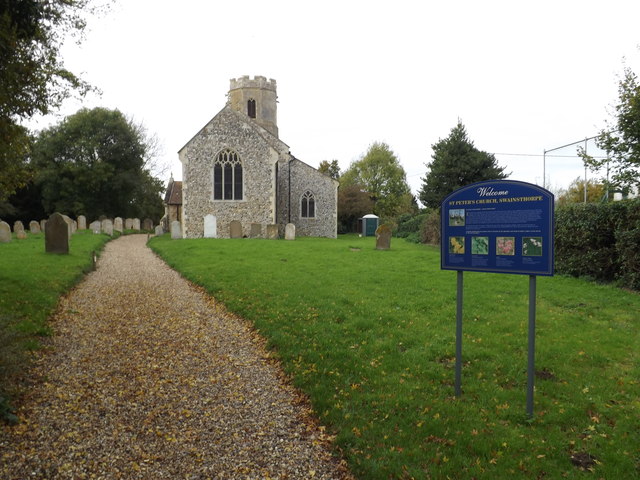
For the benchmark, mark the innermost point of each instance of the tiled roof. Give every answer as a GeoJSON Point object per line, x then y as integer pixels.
{"type": "Point", "coordinates": [174, 193]}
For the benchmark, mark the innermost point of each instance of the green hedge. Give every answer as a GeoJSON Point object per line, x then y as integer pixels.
{"type": "Point", "coordinates": [600, 241]}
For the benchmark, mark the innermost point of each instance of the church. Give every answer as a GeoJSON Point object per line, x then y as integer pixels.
{"type": "Point", "coordinates": [236, 168]}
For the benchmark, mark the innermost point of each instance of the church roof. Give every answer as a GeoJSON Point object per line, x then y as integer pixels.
{"type": "Point", "coordinates": [174, 193]}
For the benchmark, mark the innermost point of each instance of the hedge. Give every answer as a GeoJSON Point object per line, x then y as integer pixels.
{"type": "Point", "coordinates": [600, 241]}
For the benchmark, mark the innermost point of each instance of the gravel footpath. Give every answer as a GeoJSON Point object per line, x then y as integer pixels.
{"type": "Point", "coordinates": [147, 377]}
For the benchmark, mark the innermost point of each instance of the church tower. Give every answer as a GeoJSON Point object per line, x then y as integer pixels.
{"type": "Point", "coordinates": [256, 98]}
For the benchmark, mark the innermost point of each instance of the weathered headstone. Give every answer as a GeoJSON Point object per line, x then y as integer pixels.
{"type": "Point", "coordinates": [18, 226]}
{"type": "Point", "coordinates": [210, 226]}
{"type": "Point", "coordinates": [383, 237]}
{"type": "Point", "coordinates": [272, 231]}
{"type": "Point", "coordinates": [69, 224]}
{"type": "Point", "coordinates": [82, 222]}
{"type": "Point", "coordinates": [34, 227]}
{"type": "Point", "coordinates": [74, 226]}
{"type": "Point", "coordinates": [256, 230]}
{"type": "Point", "coordinates": [117, 224]}
{"type": "Point", "coordinates": [107, 227]}
{"type": "Point", "coordinates": [5, 232]}
{"type": "Point", "coordinates": [159, 230]}
{"type": "Point", "coordinates": [176, 231]}
{"type": "Point", "coordinates": [21, 235]}
{"type": "Point", "coordinates": [96, 227]}
{"type": "Point", "coordinates": [147, 224]}
{"type": "Point", "coordinates": [235, 229]}
{"type": "Point", "coordinates": [128, 223]}
{"type": "Point", "coordinates": [290, 231]}
{"type": "Point", "coordinates": [56, 235]}
{"type": "Point", "coordinates": [136, 224]}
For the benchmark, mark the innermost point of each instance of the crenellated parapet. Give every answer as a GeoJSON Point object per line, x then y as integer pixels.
{"type": "Point", "coordinates": [256, 82]}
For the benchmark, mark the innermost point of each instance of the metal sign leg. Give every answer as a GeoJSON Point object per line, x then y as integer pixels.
{"type": "Point", "coordinates": [531, 371]}
{"type": "Point", "coordinates": [458, 380]}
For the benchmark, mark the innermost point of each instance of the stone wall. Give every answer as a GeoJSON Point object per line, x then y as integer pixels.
{"type": "Point", "coordinates": [292, 184]}
{"type": "Point", "coordinates": [258, 156]}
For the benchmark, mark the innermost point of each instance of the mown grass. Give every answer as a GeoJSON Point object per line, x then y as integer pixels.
{"type": "Point", "coordinates": [31, 283]}
{"type": "Point", "coordinates": [370, 337]}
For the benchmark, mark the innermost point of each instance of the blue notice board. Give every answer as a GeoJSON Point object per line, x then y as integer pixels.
{"type": "Point", "coordinates": [501, 226]}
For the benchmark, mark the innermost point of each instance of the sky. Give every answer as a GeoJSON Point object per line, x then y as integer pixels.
{"type": "Point", "coordinates": [523, 77]}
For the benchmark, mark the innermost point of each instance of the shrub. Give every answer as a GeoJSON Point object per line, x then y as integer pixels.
{"type": "Point", "coordinates": [599, 241]}
{"type": "Point", "coordinates": [409, 226]}
{"type": "Point", "coordinates": [430, 229]}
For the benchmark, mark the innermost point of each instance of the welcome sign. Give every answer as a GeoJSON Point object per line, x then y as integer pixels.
{"type": "Point", "coordinates": [501, 226]}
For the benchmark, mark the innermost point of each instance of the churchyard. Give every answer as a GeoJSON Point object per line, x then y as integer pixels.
{"type": "Point", "coordinates": [369, 336]}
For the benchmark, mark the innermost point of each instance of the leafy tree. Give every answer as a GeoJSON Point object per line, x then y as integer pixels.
{"type": "Point", "coordinates": [621, 138]}
{"type": "Point", "coordinates": [380, 174]}
{"type": "Point", "coordinates": [94, 163]}
{"type": "Point", "coordinates": [575, 192]}
{"type": "Point", "coordinates": [456, 162]}
{"type": "Point", "coordinates": [353, 203]}
{"type": "Point", "coordinates": [32, 77]}
{"type": "Point", "coordinates": [330, 168]}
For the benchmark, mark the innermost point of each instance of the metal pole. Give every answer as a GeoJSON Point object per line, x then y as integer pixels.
{"type": "Point", "coordinates": [544, 169]}
{"type": "Point", "coordinates": [458, 380]}
{"type": "Point", "coordinates": [531, 371]}
{"type": "Point", "coordinates": [585, 172]}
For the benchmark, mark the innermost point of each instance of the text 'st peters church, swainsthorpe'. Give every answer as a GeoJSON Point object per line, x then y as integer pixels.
{"type": "Point", "coordinates": [236, 168]}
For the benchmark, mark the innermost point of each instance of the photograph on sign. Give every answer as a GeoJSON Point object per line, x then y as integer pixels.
{"type": "Point", "coordinates": [502, 226]}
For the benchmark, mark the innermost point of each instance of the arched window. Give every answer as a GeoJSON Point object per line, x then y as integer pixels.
{"type": "Point", "coordinates": [227, 176]}
{"type": "Point", "coordinates": [308, 205]}
{"type": "Point", "coordinates": [251, 108]}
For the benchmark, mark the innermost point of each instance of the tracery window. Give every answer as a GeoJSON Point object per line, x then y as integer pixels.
{"type": "Point", "coordinates": [227, 176]}
{"type": "Point", "coordinates": [251, 108]}
{"type": "Point", "coordinates": [308, 205]}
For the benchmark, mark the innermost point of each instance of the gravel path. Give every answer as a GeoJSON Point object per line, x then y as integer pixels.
{"type": "Point", "coordinates": [147, 377]}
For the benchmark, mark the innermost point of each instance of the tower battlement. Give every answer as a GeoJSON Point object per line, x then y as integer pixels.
{"type": "Point", "coordinates": [256, 82]}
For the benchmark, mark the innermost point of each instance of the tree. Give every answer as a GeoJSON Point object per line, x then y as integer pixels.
{"type": "Point", "coordinates": [96, 162]}
{"type": "Point", "coordinates": [330, 168]}
{"type": "Point", "coordinates": [575, 192]}
{"type": "Point", "coordinates": [32, 77]}
{"type": "Point", "coordinates": [621, 139]}
{"type": "Point", "coordinates": [353, 203]}
{"type": "Point", "coordinates": [380, 174]}
{"type": "Point", "coordinates": [456, 162]}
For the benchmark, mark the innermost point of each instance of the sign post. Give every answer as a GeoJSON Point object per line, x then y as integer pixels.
{"type": "Point", "coordinates": [499, 226]}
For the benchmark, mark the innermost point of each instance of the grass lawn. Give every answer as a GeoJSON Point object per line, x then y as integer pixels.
{"type": "Point", "coordinates": [31, 282]}
{"type": "Point", "coordinates": [370, 337]}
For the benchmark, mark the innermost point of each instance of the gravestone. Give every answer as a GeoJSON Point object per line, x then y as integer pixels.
{"type": "Point", "coordinates": [159, 230]}
{"type": "Point", "coordinates": [21, 235]}
{"type": "Point", "coordinates": [74, 226]}
{"type": "Point", "coordinates": [176, 231]}
{"type": "Point", "coordinates": [290, 232]}
{"type": "Point", "coordinates": [136, 224]}
{"type": "Point", "coordinates": [96, 226]}
{"type": "Point", "coordinates": [256, 230]}
{"type": "Point", "coordinates": [17, 226]}
{"type": "Point", "coordinates": [117, 224]}
{"type": "Point", "coordinates": [56, 235]}
{"type": "Point", "coordinates": [5, 232]}
{"type": "Point", "coordinates": [107, 227]}
{"type": "Point", "coordinates": [272, 231]}
{"type": "Point", "coordinates": [69, 224]}
{"type": "Point", "coordinates": [34, 227]}
{"type": "Point", "coordinates": [128, 224]}
{"type": "Point", "coordinates": [210, 226]}
{"type": "Point", "coordinates": [43, 223]}
{"type": "Point", "coordinates": [82, 222]}
{"type": "Point", "coordinates": [383, 237]}
{"type": "Point", "coordinates": [147, 224]}
{"type": "Point", "coordinates": [235, 229]}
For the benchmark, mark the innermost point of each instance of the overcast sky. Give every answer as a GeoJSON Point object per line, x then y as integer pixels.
{"type": "Point", "coordinates": [523, 77]}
